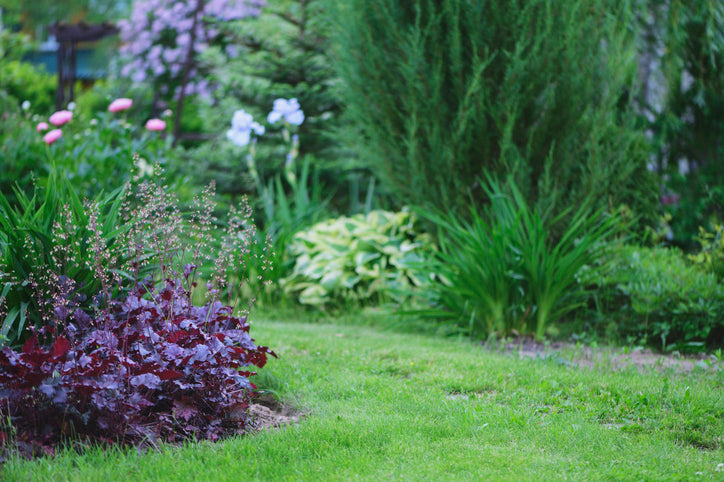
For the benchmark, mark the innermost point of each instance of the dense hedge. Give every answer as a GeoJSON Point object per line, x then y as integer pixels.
{"type": "Point", "coordinates": [444, 91]}
{"type": "Point", "coordinates": [653, 296]}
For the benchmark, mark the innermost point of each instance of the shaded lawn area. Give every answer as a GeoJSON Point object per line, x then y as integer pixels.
{"type": "Point", "coordinates": [385, 405]}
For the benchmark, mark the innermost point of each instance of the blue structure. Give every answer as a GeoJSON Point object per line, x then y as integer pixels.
{"type": "Point", "coordinates": [68, 55]}
{"type": "Point", "coordinates": [88, 67]}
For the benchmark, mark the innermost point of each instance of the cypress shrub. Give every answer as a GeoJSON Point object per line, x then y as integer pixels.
{"type": "Point", "coordinates": [444, 91]}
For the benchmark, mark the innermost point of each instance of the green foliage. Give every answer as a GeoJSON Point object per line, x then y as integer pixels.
{"type": "Point", "coordinates": [284, 53]}
{"type": "Point", "coordinates": [652, 295]}
{"type": "Point", "coordinates": [22, 150]}
{"type": "Point", "coordinates": [95, 153]}
{"type": "Point", "coordinates": [285, 215]}
{"type": "Point", "coordinates": [24, 81]}
{"type": "Point", "coordinates": [503, 272]}
{"type": "Point", "coordinates": [711, 255]}
{"type": "Point", "coordinates": [13, 45]}
{"type": "Point", "coordinates": [446, 91]}
{"type": "Point", "coordinates": [194, 129]}
{"type": "Point", "coordinates": [46, 233]}
{"type": "Point", "coordinates": [362, 258]}
{"type": "Point", "coordinates": [689, 129]}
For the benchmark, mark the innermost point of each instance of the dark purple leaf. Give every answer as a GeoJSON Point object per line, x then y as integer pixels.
{"type": "Point", "coordinates": [148, 380]}
{"type": "Point", "coordinates": [183, 410]}
{"type": "Point", "coordinates": [200, 353]}
{"type": "Point", "coordinates": [31, 345]}
{"type": "Point", "coordinates": [169, 374]}
{"type": "Point", "coordinates": [60, 347]}
{"type": "Point", "coordinates": [102, 338]}
{"type": "Point", "coordinates": [172, 351]}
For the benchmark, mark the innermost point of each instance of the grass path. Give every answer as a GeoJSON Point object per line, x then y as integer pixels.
{"type": "Point", "coordinates": [390, 406]}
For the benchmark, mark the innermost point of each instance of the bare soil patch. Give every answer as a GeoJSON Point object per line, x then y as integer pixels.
{"type": "Point", "coordinates": [268, 413]}
{"type": "Point", "coordinates": [616, 359]}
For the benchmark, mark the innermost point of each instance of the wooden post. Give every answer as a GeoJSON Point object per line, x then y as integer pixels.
{"type": "Point", "coordinates": [68, 37]}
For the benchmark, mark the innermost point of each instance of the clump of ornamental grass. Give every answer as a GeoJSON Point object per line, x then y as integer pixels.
{"type": "Point", "coordinates": [140, 363]}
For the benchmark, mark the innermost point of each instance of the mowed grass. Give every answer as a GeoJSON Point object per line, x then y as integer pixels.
{"type": "Point", "coordinates": [390, 406]}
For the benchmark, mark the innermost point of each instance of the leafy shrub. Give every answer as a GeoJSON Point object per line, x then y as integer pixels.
{"type": "Point", "coordinates": [688, 122]}
{"type": "Point", "coordinates": [711, 255]}
{"type": "Point", "coordinates": [96, 154]}
{"type": "Point", "coordinates": [26, 82]}
{"type": "Point", "coordinates": [153, 369]}
{"type": "Point", "coordinates": [362, 258]}
{"type": "Point", "coordinates": [22, 151]}
{"type": "Point", "coordinates": [652, 295]}
{"type": "Point", "coordinates": [503, 272]}
{"type": "Point", "coordinates": [132, 359]}
{"type": "Point", "coordinates": [14, 45]}
{"type": "Point", "coordinates": [145, 105]}
{"type": "Point", "coordinates": [443, 92]}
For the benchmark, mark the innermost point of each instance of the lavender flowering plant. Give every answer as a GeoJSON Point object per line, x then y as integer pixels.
{"type": "Point", "coordinates": [163, 41]}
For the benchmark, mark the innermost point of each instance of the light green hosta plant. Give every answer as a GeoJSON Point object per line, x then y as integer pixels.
{"type": "Point", "coordinates": [373, 257]}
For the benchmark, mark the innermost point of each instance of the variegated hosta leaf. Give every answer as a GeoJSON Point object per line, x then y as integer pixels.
{"type": "Point", "coordinates": [358, 258]}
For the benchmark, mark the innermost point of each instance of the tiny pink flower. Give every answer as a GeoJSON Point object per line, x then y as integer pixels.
{"type": "Point", "coordinates": [52, 136]}
{"type": "Point", "coordinates": [61, 117]}
{"type": "Point", "coordinates": [121, 104]}
{"type": "Point", "coordinates": [42, 126]}
{"type": "Point", "coordinates": [155, 125]}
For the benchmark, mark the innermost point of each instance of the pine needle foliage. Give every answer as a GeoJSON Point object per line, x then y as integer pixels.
{"type": "Point", "coordinates": [444, 92]}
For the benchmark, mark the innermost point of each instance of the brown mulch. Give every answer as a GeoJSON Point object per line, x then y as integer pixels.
{"type": "Point", "coordinates": [268, 413]}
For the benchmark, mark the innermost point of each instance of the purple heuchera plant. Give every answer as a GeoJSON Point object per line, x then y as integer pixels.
{"type": "Point", "coordinates": [140, 363]}
{"type": "Point", "coordinates": [156, 368]}
{"type": "Point", "coordinates": [161, 36]}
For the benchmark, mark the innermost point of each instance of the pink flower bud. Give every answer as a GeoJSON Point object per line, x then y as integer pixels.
{"type": "Point", "coordinates": [42, 126]}
{"type": "Point", "coordinates": [52, 136]}
{"type": "Point", "coordinates": [61, 117]}
{"type": "Point", "coordinates": [121, 104]}
{"type": "Point", "coordinates": [155, 125]}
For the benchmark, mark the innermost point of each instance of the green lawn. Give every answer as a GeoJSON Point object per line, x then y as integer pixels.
{"type": "Point", "coordinates": [389, 406]}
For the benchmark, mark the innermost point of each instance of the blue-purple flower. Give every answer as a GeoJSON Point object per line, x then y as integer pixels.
{"type": "Point", "coordinates": [289, 110]}
{"type": "Point", "coordinates": [242, 125]}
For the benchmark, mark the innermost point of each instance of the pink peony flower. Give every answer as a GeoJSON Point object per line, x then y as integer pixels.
{"type": "Point", "coordinates": [61, 117]}
{"type": "Point", "coordinates": [155, 125]}
{"type": "Point", "coordinates": [52, 136]}
{"type": "Point", "coordinates": [42, 126]}
{"type": "Point", "coordinates": [121, 104]}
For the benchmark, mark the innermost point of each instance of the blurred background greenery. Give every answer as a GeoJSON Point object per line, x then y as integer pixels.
{"type": "Point", "coordinates": [579, 108]}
